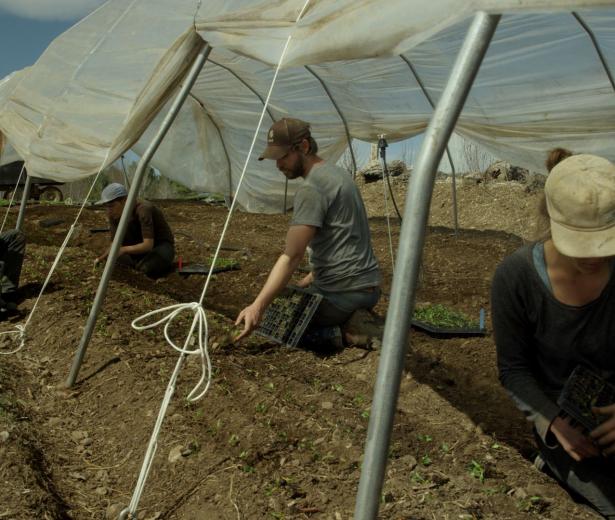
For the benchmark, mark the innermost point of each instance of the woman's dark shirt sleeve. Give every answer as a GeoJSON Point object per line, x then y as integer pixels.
{"type": "Point", "coordinates": [514, 308]}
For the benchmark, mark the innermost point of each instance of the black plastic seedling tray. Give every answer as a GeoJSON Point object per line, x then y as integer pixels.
{"type": "Point", "coordinates": [190, 269]}
{"type": "Point", "coordinates": [288, 316]}
{"type": "Point", "coordinates": [583, 390]}
{"type": "Point", "coordinates": [50, 222]}
{"type": "Point", "coordinates": [434, 330]}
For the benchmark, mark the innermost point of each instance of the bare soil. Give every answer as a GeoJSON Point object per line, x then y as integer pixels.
{"type": "Point", "coordinates": [281, 432]}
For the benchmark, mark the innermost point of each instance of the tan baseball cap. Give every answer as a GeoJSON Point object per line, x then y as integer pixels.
{"type": "Point", "coordinates": [580, 195]}
{"type": "Point", "coordinates": [282, 135]}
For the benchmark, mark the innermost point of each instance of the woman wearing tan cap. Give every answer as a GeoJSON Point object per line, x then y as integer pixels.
{"type": "Point", "coordinates": [553, 310]}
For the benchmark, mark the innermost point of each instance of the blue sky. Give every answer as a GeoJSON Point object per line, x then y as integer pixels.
{"type": "Point", "coordinates": [27, 27]}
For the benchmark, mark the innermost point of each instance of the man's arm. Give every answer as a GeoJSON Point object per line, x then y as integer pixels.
{"type": "Point", "coordinates": [297, 240]}
{"type": "Point", "coordinates": [136, 249]}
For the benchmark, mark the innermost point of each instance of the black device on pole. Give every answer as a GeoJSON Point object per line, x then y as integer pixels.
{"type": "Point", "coordinates": [382, 146]}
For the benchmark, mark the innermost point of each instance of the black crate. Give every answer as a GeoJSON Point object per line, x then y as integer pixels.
{"type": "Point", "coordinates": [288, 316]}
{"type": "Point", "coordinates": [583, 390]}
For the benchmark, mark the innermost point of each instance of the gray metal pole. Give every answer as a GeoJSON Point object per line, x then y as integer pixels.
{"type": "Point", "coordinates": [448, 151]}
{"type": "Point", "coordinates": [24, 199]}
{"type": "Point", "coordinates": [412, 238]}
{"type": "Point", "coordinates": [454, 189]}
{"type": "Point", "coordinates": [130, 202]}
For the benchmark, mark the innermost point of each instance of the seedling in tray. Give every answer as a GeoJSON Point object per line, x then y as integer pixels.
{"type": "Point", "coordinates": [583, 390]}
{"type": "Point", "coordinates": [442, 316]}
{"type": "Point", "coordinates": [440, 320]}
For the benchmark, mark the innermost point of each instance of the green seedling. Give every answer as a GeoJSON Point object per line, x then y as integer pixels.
{"type": "Point", "coordinates": [477, 470]}
{"type": "Point", "coordinates": [426, 460]}
{"type": "Point", "coordinates": [424, 438]}
{"type": "Point", "coordinates": [533, 504]}
{"type": "Point", "coordinates": [445, 448]}
{"type": "Point", "coordinates": [261, 408]}
{"type": "Point", "coordinates": [417, 478]}
{"type": "Point", "coordinates": [359, 400]}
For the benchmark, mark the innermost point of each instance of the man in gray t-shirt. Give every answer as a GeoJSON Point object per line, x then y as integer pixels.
{"type": "Point", "coordinates": [330, 222]}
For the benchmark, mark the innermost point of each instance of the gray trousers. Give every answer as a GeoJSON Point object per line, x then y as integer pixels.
{"type": "Point", "coordinates": [593, 479]}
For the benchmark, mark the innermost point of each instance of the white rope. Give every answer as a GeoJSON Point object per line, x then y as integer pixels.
{"type": "Point", "coordinates": [200, 318]}
{"type": "Point", "coordinates": [6, 215]}
{"type": "Point", "coordinates": [21, 329]}
{"type": "Point", "coordinates": [386, 209]}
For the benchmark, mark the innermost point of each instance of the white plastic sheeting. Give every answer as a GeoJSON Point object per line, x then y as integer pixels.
{"type": "Point", "coordinates": [93, 92]}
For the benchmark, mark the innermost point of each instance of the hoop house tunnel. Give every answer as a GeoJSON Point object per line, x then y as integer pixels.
{"type": "Point", "coordinates": [107, 85]}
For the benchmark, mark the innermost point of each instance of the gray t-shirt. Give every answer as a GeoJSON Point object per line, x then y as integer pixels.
{"type": "Point", "coordinates": [341, 252]}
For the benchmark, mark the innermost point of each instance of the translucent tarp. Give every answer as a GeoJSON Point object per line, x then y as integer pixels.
{"type": "Point", "coordinates": [353, 69]}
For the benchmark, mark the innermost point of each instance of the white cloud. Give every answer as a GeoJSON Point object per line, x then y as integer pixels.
{"type": "Point", "coordinates": [50, 9]}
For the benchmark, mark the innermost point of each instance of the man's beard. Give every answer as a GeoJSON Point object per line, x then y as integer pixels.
{"type": "Point", "coordinates": [296, 172]}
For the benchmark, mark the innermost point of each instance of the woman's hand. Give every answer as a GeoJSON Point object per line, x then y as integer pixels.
{"type": "Point", "coordinates": [572, 439]}
{"type": "Point", "coordinates": [604, 435]}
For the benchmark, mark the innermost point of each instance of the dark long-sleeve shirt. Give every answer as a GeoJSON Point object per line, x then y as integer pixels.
{"type": "Point", "coordinates": [540, 340]}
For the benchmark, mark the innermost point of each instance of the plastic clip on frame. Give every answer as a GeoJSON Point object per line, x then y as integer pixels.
{"type": "Point", "coordinates": [288, 316]}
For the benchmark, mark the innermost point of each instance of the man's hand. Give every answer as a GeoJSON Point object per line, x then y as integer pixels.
{"type": "Point", "coordinates": [572, 439]}
{"type": "Point", "coordinates": [101, 259]}
{"type": "Point", "coordinates": [306, 281]}
{"type": "Point", "coordinates": [604, 434]}
{"type": "Point", "coordinates": [251, 317]}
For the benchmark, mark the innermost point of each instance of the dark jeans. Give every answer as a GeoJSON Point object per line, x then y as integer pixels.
{"type": "Point", "coordinates": [593, 479]}
{"type": "Point", "coordinates": [158, 262]}
{"type": "Point", "coordinates": [336, 308]}
{"type": "Point", "coordinates": [12, 251]}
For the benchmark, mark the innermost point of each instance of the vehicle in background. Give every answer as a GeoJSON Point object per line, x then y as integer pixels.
{"type": "Point", "coordinates": [41, 189]}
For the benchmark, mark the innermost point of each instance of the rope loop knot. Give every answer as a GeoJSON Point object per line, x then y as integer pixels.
{"type": "Point", "coordinates": [199, 327]}
{"type": "Point", "coordinates": [19, 329]}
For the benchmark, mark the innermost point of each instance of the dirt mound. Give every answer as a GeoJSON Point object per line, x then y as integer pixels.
{"type": "Point", "coordinates": [281, 432]}
{"type": "Point", "coordinates": [502, 206]}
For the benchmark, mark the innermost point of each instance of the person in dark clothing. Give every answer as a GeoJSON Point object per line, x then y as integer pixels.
{"type": "Point", "coordinates": [553, 304]}
{"type": "Point", "coordinates": [148, 245]}
{"type": "Point", "coordinates": [12, 252]}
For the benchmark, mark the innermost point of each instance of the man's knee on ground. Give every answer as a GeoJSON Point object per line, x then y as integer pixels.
{"type": "Point", "coordinates": [363, 327]}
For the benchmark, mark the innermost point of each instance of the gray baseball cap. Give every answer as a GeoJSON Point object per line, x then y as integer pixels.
{"type": "Point", "coordinates": [111, 192]}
